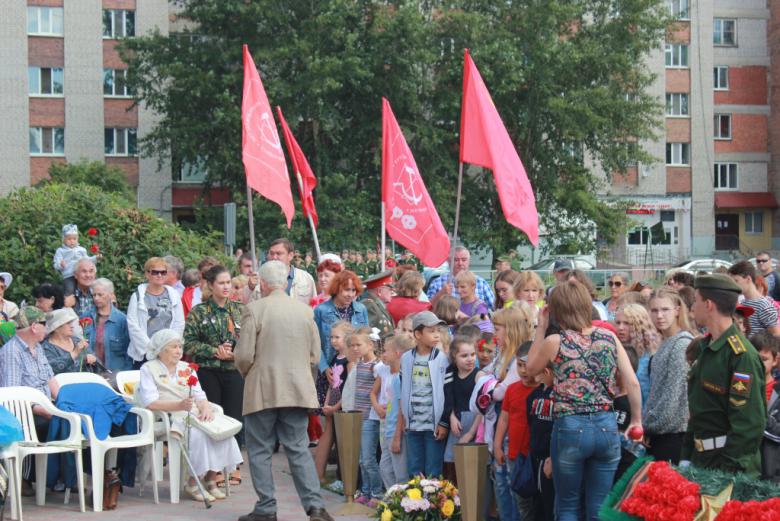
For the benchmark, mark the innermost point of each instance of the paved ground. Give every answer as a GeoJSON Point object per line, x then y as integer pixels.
{"type": "Point", "coordinates": [132, 507]}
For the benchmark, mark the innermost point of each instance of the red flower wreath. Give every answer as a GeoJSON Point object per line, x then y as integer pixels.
{"type": "Point", "coordinates": [664, 496]}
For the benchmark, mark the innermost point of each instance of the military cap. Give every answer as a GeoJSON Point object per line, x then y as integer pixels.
{"type": "Point", "coordinates": [380, 279]}
{"type": "Point", "coordinates": [28, 316]}
{"type": "Point", "coordinates": [716, 281]}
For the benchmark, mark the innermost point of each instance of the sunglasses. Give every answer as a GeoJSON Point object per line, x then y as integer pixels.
{"type": "Point", "coordinates": [761, 261]}
{"type": "Point", "coordinates": [158, 272]}
{"type": "Point", "coordinates": [614, 284]}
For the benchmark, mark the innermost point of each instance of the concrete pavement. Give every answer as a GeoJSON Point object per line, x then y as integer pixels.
{"type": "Point", "coordinates": [132, 507]}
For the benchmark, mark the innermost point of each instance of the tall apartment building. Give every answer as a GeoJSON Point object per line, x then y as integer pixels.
{"type": "Point", "coordinates": [712, 189]}
{"type": "Point", "coordinates": [62, 96]}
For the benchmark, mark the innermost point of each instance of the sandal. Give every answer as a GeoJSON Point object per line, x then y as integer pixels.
{"type": "Point", "coordinates": [220, 480]}
{"type": "Point", "coordinates": [235, 478]}
{"type": "Point", "coordinates": [195, 495]}
{"type": "Point", "coordinates": [213, 489]}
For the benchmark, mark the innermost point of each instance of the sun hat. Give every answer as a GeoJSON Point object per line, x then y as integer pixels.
{"type": "Point", "coordinates": [7, 278]}
{"type": "Point", "coordinates": [58, 318]}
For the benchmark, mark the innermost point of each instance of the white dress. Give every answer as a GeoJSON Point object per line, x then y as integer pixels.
{"type": "Point", "coordinates": [205, 453]}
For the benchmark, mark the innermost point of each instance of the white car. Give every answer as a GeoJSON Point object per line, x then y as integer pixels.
{"type": "Point", "coordinates": [696, 265]}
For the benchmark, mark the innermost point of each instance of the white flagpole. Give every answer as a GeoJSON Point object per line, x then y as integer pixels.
{"type": "Point", "coordinates": [251, 226]}
{"type": "Point", "coordinates": [457, 216]}
{"type": "Point", "coordinates": [384, 239]}
{"type": "Point", "coordinates": [311, 220]}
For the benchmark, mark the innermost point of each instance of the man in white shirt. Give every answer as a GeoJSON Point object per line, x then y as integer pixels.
{"type": "Point", "coordinates": [300, 284]}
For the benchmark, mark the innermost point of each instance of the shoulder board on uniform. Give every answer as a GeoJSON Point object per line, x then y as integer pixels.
{"type": "Point", "coordinates": [736, 345]}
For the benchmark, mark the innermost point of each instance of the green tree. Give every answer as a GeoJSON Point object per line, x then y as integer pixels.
{"type": "Point", "coordinates": [110, 179]}
{"type": "Point", "coordinates": [30, 232]}
{"type": "Point", "coordinates": [566, 76]}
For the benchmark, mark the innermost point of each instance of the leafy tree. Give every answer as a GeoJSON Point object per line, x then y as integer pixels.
{"type": "Point", "coordinates": [111, 179]}
{"type": "Point", "coordinates": [30, 232]}
{"type": "Point", "coordinates": [566, 75]}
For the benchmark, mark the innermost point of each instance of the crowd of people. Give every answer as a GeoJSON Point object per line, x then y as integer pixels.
{"type": "Point", "coordinates": [565, 388]}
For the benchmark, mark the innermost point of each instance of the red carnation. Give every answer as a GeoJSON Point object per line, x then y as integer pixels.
{"type": "Point", "coordinates": [92, 232]}
{"type": "Point", "coordinates": [192, 381]}
{"type": "Point", "coordinates": [94, 249]}
{"type": "Point", "coordinates": [85, 322]}
{"type": "Point", "coordinates": [194, 366]}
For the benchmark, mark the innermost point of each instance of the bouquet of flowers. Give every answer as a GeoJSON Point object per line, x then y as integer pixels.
{"type": "Point", "coordinates": [420, 499]}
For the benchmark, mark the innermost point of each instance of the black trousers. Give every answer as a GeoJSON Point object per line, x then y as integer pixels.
{"type": "Point", "coordinates": [226, 389]}
{"type": "Point", "coordinates": [666, 447]}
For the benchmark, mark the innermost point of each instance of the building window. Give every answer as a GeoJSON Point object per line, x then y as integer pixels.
{"type": "Point", "coordinates": [721, 79]}
{"type": "Point", "coordinates": [118, 23]}
{"type": "Point", "coordinates": [678, 154]}
{"type": "Point", "coordinates": [47, 141]}
{"type": "Point", "coordinates": [724, 32]}
{"type": "Point", "coordinates": [638, 236]}
{"type": "Point", "coordinates": [676, 55]}
{"type": "Point", "coordinates": [754, 222]}
{"type": "Point", "coordinates": [44, 21]}
{"type": "Point", "coordinates": [676, 104]}
{"type": "Point", "coordinates": [115, 83]}
{"type": "Point", "coordinates": [44, 81]}
{"type": "Point", "coordinates": [121, 142]}
{"type": "Point", "coordinates": [725, 176]}
{"type": "Point", "coordinates": [679, 9]}
{"type": "Point", "coordinates": [722, 126]}
{"type": "Point", "coordinates": [668, 216]}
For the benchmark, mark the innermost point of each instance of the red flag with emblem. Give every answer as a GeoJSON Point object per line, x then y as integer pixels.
{"type": "Point", "coordinates": [300, 166]}
{"type": "Point", "coordinates": [410, 216]}
{"type": "Point", "coordinates": [484, 141]}
{"type": "Point", "coordinates": [261, 150]}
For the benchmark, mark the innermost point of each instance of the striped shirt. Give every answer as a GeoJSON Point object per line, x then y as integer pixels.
{"type": "Point", "coordinates": [484, 291]}
{"type": "Point", "coordinates": [364, 382]}
{"type": "Point", "coordinates": [764, 314]}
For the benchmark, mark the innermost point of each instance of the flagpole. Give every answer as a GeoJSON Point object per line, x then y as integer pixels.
{"type": "Point", "coordinates": [251, 226]}
{"type": "Point", "coordinates": [384, 238]}
{"type": "Point", "coordinates": [457, 216]}
{"type": "Point", "coordinates": [311, 220]}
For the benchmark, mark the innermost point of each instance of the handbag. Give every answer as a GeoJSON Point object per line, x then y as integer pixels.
{"type": "Point", "coordinates": [222, 427]}
{"type": "Point", "coordinates": [523, 480]}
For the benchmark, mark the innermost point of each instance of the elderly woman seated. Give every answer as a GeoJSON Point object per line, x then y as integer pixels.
{"type": "Point", "coordinates": [65, 351]}
{"type": "Point", "coordinates": [167, 385]}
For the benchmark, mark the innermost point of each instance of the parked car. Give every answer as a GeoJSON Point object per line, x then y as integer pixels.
{"type": "Point", "coordinates": [546, 265]}
{"type": "Point", "coordinates": [696, 265]}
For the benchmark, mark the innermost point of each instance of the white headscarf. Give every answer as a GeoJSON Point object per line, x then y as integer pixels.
{"type": "Point", "coordinates": [159, 340]}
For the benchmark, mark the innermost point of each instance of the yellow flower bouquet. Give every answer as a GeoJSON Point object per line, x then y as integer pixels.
{"type": "Point", "coordinates": [420, 499]}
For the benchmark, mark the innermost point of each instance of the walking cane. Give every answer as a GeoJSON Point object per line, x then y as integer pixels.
{"type": "Point", "coordinates": [197, 479]}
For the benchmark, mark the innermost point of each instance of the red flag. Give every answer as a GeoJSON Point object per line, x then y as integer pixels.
{"type": "Point", "coordinates": [410, 217]}
{"type": "Point", "coordinates": [266, 169]}
{"type": "Point", "coordinates": [484, 141]}
{"type": "Point", "coordinates": [300, 166]}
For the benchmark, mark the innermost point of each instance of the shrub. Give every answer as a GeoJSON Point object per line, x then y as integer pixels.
{"type": "Point", "coordinates": [30, 232]}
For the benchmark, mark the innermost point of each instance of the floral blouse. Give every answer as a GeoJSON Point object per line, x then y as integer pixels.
{"type": "Point", "coordinates": [585, 387]}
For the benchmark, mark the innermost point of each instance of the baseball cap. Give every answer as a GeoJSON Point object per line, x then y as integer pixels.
{"type": "Point", "coordinates": [28, 316]}
{"type": "Point", "coordinates": [426, 319]}
{"type": "Point", "coordinates": [562, 264]}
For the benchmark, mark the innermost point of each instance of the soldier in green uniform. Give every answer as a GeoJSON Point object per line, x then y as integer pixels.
{"type": "Point", "coordinates": [379, 291]}
{"type": "Point", "coordinates": [726, 396]}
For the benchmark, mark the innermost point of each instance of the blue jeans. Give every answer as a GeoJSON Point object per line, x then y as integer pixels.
{"type": "Point", "coordinates": [585, 453]}
{"type": "Point", "coordinates": [369, 468]}
{"type": "Point", "coordinates": [424, 453]}
{"type": "Point", "coordinates": [505, 498]}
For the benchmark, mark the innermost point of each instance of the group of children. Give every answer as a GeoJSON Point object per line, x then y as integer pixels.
{"type": "Point", "coordinates": [419, 396]}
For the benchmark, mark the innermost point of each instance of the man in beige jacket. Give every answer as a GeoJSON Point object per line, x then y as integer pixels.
{"type": "Point", "coordinates": [278, 349]}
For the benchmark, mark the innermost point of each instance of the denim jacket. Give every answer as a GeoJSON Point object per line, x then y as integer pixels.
{"type": "Point", "coordinates": [325, 315]}
{"type": "Point", "coordinates": [116, 340]}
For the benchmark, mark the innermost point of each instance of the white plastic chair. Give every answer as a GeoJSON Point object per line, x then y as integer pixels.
{"type": "Point", "coordinates": [99, 448]}
{"type": "Point", "coordinates": [124, 377]}
{"type": "Point", "coordinates": [8, 457]}
{"type": "Point", "coordinates": [20, 401]}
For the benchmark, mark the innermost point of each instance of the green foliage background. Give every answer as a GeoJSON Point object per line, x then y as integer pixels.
{"type": "Point", "coordinates": [566, 76]}
{"type": "Point", "coordinates": [30, 232]}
